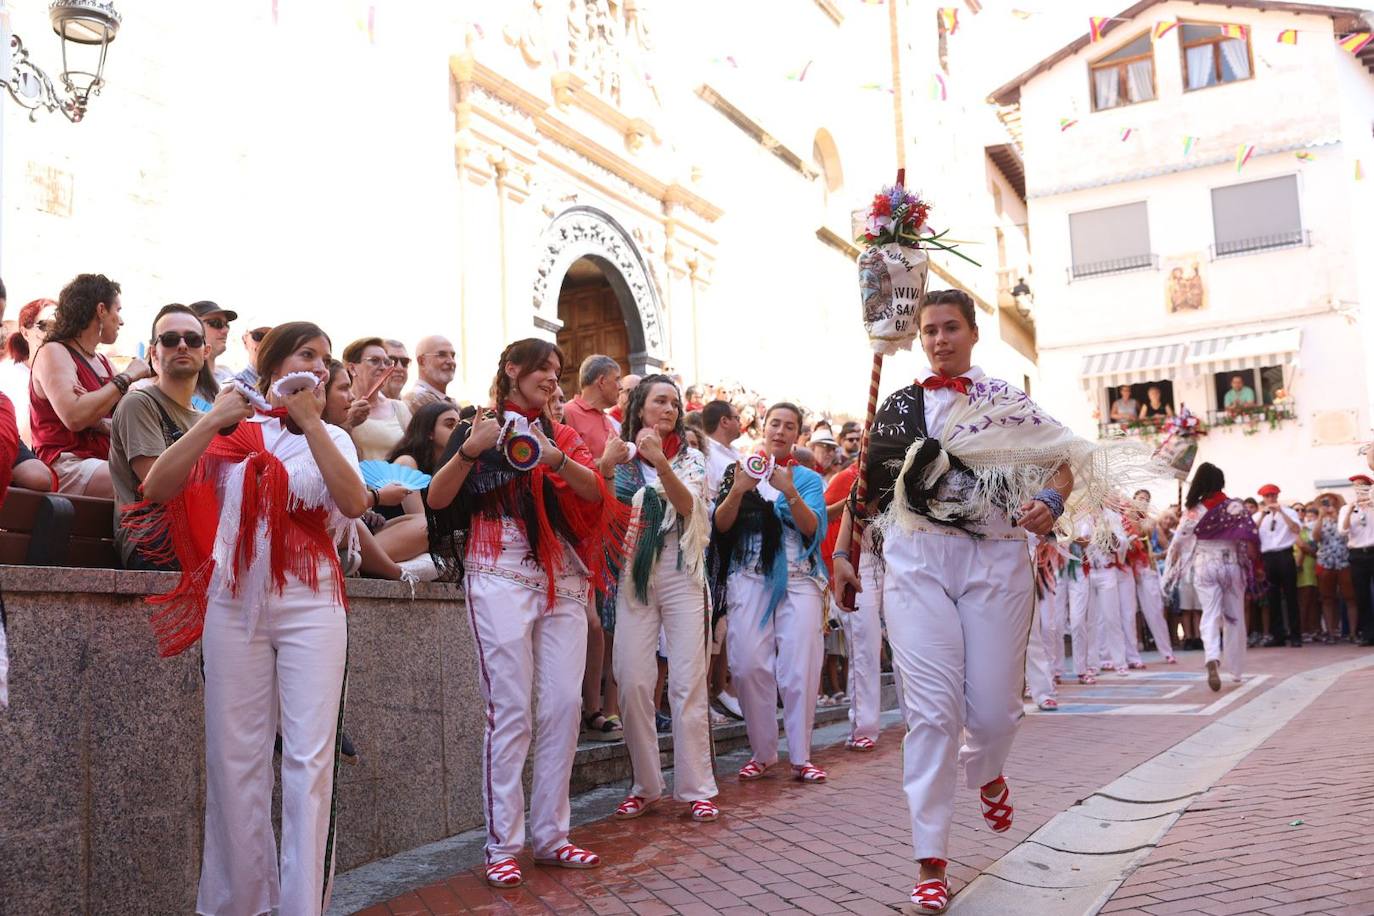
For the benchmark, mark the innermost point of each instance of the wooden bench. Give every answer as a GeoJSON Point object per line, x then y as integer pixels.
{"type": "Point", "coordinates": [57, 529]}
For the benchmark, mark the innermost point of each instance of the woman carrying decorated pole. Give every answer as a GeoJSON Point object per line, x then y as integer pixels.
{"type": "Point", "coordinates": [662, 587]}
{"type": "Point", "coordinates": [1218, 542]}
{"type": "Point", "coordinates": [765, 567]}
{"type": "Point", "coordinates": [252, 507]}
{"type": "Point", "coordinates": [518, 502]}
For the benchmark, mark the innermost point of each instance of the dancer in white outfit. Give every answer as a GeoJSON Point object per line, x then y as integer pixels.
{"type": "Point", "coordinates": [980, 465]}
{"type": "Point", "coordinates": [765, 567]}
{"type": "Point", "coordinates": [662, 590]}
{"type": "Point", "coordinates": [535, 536]}
{"type": "Point", "coordinates": [278, 490]}
{"type": "Point", "coordinates": [1111, 602]}
{"type": "Point", "coordinates": [1045, 651]}
{"type": "Point", "coordinates": [1219, 542]}
{"type": "Point", "coordinates": [1148, 592]}
{"type": "Point", "coordinates": [863, 627]}
{"type": "Point", "coordinates": [1072, 602]}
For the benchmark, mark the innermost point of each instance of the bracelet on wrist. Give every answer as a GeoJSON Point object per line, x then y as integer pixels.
{"type": "Point", "coordinates": [1052, 500]}
{"type": "Point", "coordinates": [561, 464]}
{"type": "Point", "coordinates": [122, 382]}
{"type": "Point", "coordinates": [840, 555]}
{"type": "Point", "coordinates": [464, 455]}
{"type": "Point", "coordinates": [376, 496]}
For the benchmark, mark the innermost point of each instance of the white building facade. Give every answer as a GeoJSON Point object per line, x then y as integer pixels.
{"type": "Point", "coordinates": [1197, 194]}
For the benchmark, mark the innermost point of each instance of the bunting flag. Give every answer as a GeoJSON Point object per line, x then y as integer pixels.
{"type": "Point", "coordinates": [800, 76]}
{"type": "Point", "coordinates": [1097, 25]}
{"type": "Point", "coordinates": [1164, 28]}
{"type": "Point", "coordinates": [939, 90]}
{"type": "Point", "coordinates": [367, 24]}
{"type": "Point", "coordinates": [1288, 37]}
{"type": "Point", "coordinates": [1355, 41]}
{"type": "Point", "coordinates": [884, 87]}
{"type": "Point", "coordinates": [1243, 154]}
{"type": "Point", "coordinates": [728, 60]}
{"type": "Point", "coordinates": [1021, 14]}
{"type": "Point", "coordinates": [275, 12]}
{"type": "Point", "coordinates": [1126, 133]}
{"type": "Point", "coordinates": [1235, 31]}
{"type": "Point", "coordinates": [1188, 142]}
{"type": "Point", "coordinates": [949, 17]}
{"type": "Point", "coordinates": [1066, 123]}
{"type": "Point", "coordinates": [1359, 171]}
{"type": "Point", "coordinates": [1304, 156]}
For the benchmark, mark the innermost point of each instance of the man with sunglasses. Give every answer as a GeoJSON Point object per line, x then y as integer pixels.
{"type": "Point", "coordinates": [216, 329]}
{"type": "Point", "coordinates": [152, 417]}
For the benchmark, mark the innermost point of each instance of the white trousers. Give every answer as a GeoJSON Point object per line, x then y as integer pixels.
{"type": "Point", "coordinates": [677, 606]}
{"type": "Point", "coordinates": [958, 619]}
{"type": "Point", "coordinates": [1151, 597]}
{"type": "Point", "coordinates": [288, 675]}
{"type": "Point", "coordinates": [526, 648]}
{"type": "Point", "coordinates": [1071, 599]}
{"type": "Point", "coordinates": [1045, 649]}
{"type": "Point", "coordinates": [863, 634]}
{"type": "Point", "coordinates": [1108, 637]}
{"type": "Point", "coordinates": [779, 655]}
{"type": "Point", "coordinates": [1220, 584]}
{"type": "Point", "coordinates": [1125, 597]}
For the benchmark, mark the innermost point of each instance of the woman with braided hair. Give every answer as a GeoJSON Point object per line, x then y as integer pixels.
{"type": "Point", "coordinates": [518, 504]}
{"type": "Point", "coordinates": [663, 586]}
{"type": "Point", "coordinates": [766, 571]}
{"type": "Point", "coordinates": [961, 467]}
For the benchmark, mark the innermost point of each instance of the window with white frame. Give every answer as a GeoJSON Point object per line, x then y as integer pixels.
{"type": "Point", "coordinates": [1110, 240]}
{"type": "Point", "coordinates": [1256, 216]}
{"type": "Point", "coordinates": [1125, 76]}
{"type": "Point", "coordinates": [1214, 54]}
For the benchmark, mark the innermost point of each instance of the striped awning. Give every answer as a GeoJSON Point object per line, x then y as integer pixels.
{"type": "Point", "coordinates": [1126, 367]}
{"type": "Point", "coordinates": [1245, 351]}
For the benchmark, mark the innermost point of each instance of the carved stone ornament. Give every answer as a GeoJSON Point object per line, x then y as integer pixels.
{"type": "Point", "coordinates": [583, 231]}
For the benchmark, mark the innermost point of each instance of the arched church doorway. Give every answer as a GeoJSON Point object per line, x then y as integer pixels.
{"type": "Point", "coordinates": [592, 319]}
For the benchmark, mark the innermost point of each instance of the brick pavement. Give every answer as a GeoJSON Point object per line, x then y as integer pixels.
{"type": "Point", "coordinates": [782, 847]}
{"type": "Point", "coordinates": [1289, 830]}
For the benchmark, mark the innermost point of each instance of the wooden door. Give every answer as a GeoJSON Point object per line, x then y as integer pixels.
{"type": "Point", "coordinates": [592, 323]}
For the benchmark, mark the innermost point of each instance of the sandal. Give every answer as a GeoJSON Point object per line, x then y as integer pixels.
{"type": "Point", "coordinates": [808, 773]}
{"type": "Point", "coordinates": [1049, 704]}
{"type": "Point", "coordinates": [596, 727]}
{"type": "Point", "coordinates": [1087, 679]}
{"type": "Point", "coordinates": [931, 895]}
{"type": "Point", "coordinates": [505, 873]}
{"type": "Point", "coordinates": [997, 810]}
{"type": "Point", "coordinates": [1136, 666]}
{"type": "Point", "coordinates": [704, 811]}
{"type": "Point", "coordinates": [1170, 660]}
{"type": "Point", "coordinates": [862, 743]}
{"type": "Point", "coordinates": [570, 856]}
{"type": "Point", "coordinates": [631, 807]}
{"type": "Point", "coordinates": [751, 770]}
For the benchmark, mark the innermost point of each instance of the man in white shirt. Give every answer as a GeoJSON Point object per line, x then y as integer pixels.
{"type": "Point", "coordinates": [438, 363]}
{"type": "Point", "coordinates": [1278, 532]}
{"type": "Point", "coordinates": [721, 420]}
{"type": "Point", "coordinates": [1357, 520]}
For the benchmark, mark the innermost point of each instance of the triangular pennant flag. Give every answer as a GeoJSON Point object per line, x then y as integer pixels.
{"type": "Point", "coordinates": [949, 17]}
{"type": "Point", "coordinates": [1188, 142]}
{"type": "Point", "coordinates": [1359, 171]}
{"type": "Point", "coordinates": [275, 12]}
{"type": "Point", "coordinates": [800, 76]}
{"type": "Point", "coordinates": [1126, 133]}
{"type": "Point", "coordinates": [1235, 31]}
{"type": "Point", "coordinates": [1021, 14]}
{"type": "Point", "coordinates": [1066, 123]}
{"type": "Point", "coordinates": [1164, 28]}
{"type": "Point", "coordinates": [884, 87]}
{"type": "Point", "coordinates": [1288, 37]}
{"type": "Point", "coordinates": [1097, 26]}
{"type": "Point", "coordinates": [939, 90]}
{"type": "Point", "coordinates": [1304, 156]}
{"type": "Point", "coordinates": [1243, 154]}
{"type": "Point", "coordinates": [1355, 41]}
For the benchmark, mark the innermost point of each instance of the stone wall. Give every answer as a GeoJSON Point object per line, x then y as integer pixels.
{"type": "Point", "coordinates": [102, 763]}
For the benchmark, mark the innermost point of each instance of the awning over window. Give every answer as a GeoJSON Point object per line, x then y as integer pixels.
{"type": "Point", "coordinates": [1126, 367]}
{"type": "Point", "coordinates": [1245, 351]}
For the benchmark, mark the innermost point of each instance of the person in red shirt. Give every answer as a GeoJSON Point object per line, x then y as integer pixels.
{"type": "Point", "coordinates": [599, 377]}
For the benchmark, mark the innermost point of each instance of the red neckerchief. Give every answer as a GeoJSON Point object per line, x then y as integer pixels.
{"type": "Point", "coordinates": [1216, 499]}
{"type": "Point", "coordinates": [779, 462]}
{"type": "Point", "coordinates": [672, 444]}
{"type": "Point", "coordinates": [184, 529]}
{"type": "Point", "coordinates": [936, 382]}
{"type": "Point", "coordinates": [532, 414]}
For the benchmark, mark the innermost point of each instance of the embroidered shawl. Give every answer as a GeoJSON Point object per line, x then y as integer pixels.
{"type": "Point", "coordinates": [1226, 521]}
{"type": "Point", "coordinates": [653, 518]}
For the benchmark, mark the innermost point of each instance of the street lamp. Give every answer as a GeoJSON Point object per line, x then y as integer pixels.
{"type": "Point", "coordinates": [86, 28]}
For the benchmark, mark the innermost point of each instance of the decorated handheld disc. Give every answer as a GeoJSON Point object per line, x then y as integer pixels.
{"type": "Point", "coordinates": [759, 467]}
{"type": "Point", "coordinates": [295, 381]}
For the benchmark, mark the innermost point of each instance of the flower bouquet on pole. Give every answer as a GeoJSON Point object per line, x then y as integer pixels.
{"type": "Point", "coordinates": [1178, 451]}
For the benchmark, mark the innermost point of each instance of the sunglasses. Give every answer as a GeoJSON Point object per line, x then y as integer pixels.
{"type": "Point", "coordinates": [402, 361]}
{"type": "Point", "coordinates": [219, 324]}
{"type": "Point", "coordinates": [257, 335]}
{"type": "Point", "coordinates": [380, 362]}
{"type": "Point", "coordinates": [171, 339]}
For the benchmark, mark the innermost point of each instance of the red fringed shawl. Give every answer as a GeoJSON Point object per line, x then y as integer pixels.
{"type": "Point", "coordinates": [184, 529]}
{"type": "Point", "coordinates": [599, 529]}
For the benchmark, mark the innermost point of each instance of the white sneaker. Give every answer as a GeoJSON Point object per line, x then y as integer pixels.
{"type": "Point", "coordinates": [730, 703]}
{"type": "Point", "coordinates": [419, 569]}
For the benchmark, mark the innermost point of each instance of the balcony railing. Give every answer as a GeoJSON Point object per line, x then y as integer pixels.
{"type": "Point", "coordinates": [1114, 266]}
{"type": "Point", "coordinates": [1299, 238]}
{"type": "Point", "coordinates": [1249, 419]}
{"type": "Point", "coordinates": [1148, 428]}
